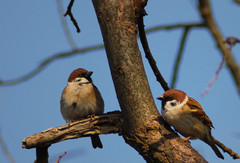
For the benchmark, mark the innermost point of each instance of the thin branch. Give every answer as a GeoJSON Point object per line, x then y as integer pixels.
{"type": "Point", "coordinates": [226, 149]}
{"type": "Point", "coordinates": [175, 26]}
{"type": "Point", "coordinates": [5, 151]}
{"type": "Point", "coordinates": [60, 157]}
{"type": "Point", "coordinates": [109, 123]}
{"type": "Point", "coordinates": [214, 78]}
{"type": "Point", "coordinates": [231, 41]}
{"type": "Point", "coordinates": [85, 50]}
{"type": "Point", "coordinates": [49, 60]}
{"type": "Point", "coordinates": [149, 56]}
{"type": "Point", "coordinates": [206, 13]}
{"type": "Point", "coordinates": [64, 25]}
{"type": "Point", "coordinates": [69, 12]}
{"type": "Point", "coordinates": [179, 57]}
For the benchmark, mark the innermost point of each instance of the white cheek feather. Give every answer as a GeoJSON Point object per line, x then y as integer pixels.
{"type": "Point", "coordinates": [81, 84]}
{"type": "Point", "coordinates": [171, 113]}
{"type": "Point", "coordinates": [184, 123]}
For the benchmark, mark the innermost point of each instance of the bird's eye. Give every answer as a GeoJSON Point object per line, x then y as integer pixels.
{"type": "Point", "coordinates": [77, 80]}
{"type": "Point", "coordinates": [173, 104]}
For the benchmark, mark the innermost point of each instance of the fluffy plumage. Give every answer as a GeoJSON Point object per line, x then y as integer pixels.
{"type": "Point", "coordinates": [81, 98]}
{"type": "Point", "coordinates": [187, 116]}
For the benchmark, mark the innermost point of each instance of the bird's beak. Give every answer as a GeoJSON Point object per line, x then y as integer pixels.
{"type": "Point", "coordinates": [160, 98]}
{"type": "Point", "coordinates": [88, 74]}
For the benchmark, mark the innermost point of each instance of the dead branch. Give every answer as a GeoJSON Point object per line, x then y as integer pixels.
{"type": "Point", "coordinates": [109, 123]}
{"type": "Point", "coordinates": [69, 12]}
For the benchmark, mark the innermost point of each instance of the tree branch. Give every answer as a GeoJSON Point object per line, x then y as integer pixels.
{"type": "Point", "coordinates": [41, 155]}
{"type": "Point", "coordinates": [175, 26]}
{"type": "Point", "coordinates": [179, 57]}
{"type": "Point", "coordinates": [149, 56]}
{"type": "Point", "coordinates": [69, 12]}
{"type": "Point", "coordinates": [206, 13]}
{"type": "Point", "coordinates": [60, 157]}
{"type": "Point", "coordinates": [64, 25]}
{"type": "Point", "coordinates": [74, 52]}
{"type": "Point", "coordinates": [143, 127]}
{"type": "Point", "coordinates": [109, 123]}
{"type": "Point", "coordinates": [5, 150]}
{"type": "Point", "coordinates": [49, 60]}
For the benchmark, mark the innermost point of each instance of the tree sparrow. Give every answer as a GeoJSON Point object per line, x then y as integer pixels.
{"type": "Point", "coordinates": [187, 116]}
{"type": "Point", "coordinates": [81, 98]}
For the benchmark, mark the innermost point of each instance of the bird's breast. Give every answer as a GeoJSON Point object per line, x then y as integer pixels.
{"type": "Point", "coordinates": [77, 104]}
{"type": "Point", "coordinates": [185, 123]}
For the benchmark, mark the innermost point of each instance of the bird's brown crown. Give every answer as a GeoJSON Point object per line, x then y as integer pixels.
{"type": "Point", "coordinates": [76, 73]}
{"type": "Point", "coordinates": [176, 94]}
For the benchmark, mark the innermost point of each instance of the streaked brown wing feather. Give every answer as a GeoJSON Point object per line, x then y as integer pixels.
{"type": "Point", "coordinates": [198, 112]}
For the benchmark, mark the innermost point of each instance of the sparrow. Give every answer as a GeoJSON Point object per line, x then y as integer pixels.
{"type": "Point", "coordinates": [80, 99]}
{"type": "Point", "coordinates": [187, 117]}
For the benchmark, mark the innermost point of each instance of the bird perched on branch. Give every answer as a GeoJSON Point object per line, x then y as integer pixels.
{"type": "Point", "coordinates": [81, 98]}
{"type": "Point", "coordinates": [188, 118]}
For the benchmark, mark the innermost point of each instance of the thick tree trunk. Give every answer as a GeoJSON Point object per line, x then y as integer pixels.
{"type": "Point", "coordinates": [143, 127]}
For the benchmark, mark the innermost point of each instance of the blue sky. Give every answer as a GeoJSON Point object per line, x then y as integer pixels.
{"type": "Point", "coordinates": [31, 31]}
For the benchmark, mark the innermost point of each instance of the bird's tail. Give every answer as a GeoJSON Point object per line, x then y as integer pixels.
{"type": "Point", "coordinates": [226, 149]}
{"type": "Point", "coordinates": [216, 150]}
{"type": "Point", "coordinates": [96, 142]}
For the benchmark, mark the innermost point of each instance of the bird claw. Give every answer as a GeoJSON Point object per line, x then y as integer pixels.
{"type": "Point", "coordinates": [186, 139]}
{"type": "Point", "coordinates": [91, 116]}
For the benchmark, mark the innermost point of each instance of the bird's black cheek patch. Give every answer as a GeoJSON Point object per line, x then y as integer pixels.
{"type": "Point", "coordinates": [163, 105]}
{"type": "Point", "coordinates": [74, 104]}
{"type": "Point", "coordinates": [173, 104]}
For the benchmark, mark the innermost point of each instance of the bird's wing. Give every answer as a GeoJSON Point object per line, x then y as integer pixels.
{"type": "Point", "coordinates": [197, 112]}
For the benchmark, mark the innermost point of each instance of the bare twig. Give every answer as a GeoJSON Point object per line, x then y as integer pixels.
{"type": "Point", "coordinates": [109, 123]}
{"type": "Point", "coordinates": [69, 12]}
{"type": "Point", "coordinates": [226, 149]}
{"type": "Point", "coordinates": [175, 26]}
{"type": "Point", "coordinates": [60, 157]}
{"type": "Point", "coordinates": [231, 41]}
{"type": "Point", "coordinates": [149, 56]}
{"type": "Point", "coordinates": [64, 25]}
{"type": "Point", "coordinates": [54, 57]}
{"type": "Point", "coordinates": [49, 60]}
{"type": "Point", "coordinates": [179, 57]}
{"type": "Point", "coordinates": [5, 151]}
{"type": "Point", "coordinates": [214, 78]}
{"type": "Point", "coordinates": [206, 13]}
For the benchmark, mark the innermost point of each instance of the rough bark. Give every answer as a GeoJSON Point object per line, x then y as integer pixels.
{"type": "Point", "coordinates": [143, 127]}
{"type": "Point", "coordinates": [110, 123]}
